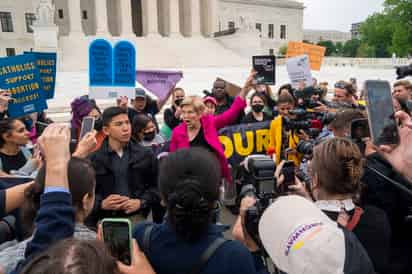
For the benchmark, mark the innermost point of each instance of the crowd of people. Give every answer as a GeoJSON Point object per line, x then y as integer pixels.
{"type": "Point", "coordinates": [349, 213]}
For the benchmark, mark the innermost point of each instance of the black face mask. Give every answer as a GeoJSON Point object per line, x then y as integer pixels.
{"type": "Point", "coordinates": [98, 124]}
{"type": "Point", "coordinates": [149, 136]}
{"type": "Point", "coordinates": [178, 102]}
{"type": "Point", "coordinates": [258, 108]}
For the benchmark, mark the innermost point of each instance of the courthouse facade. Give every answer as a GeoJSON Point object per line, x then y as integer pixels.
{"type": "Point", "coordinates": [142, 21]}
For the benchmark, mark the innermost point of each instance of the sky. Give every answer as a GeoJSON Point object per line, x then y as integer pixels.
{"type": "Point", "coordinates": [338, 14]}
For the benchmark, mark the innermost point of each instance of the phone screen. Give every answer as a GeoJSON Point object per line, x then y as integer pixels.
{"type": "Point", "coordinates": [87, 126]}
{"type": "Point", "coordinates": [288, 171]}
{"type": "Point", "coordinates": [265, 68]}
{"type": "Point", "coordinates": [382, 122]}
{"type": "Point", "coordinates": [117, 238]}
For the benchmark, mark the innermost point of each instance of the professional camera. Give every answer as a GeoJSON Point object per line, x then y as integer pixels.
{"type": "Point", "coordinates": [295, 124]}
{"type": "Point", "coordinates": [259, 182]}
{"type": "Point", "coordinates": [404, 71]}
{"type": "Point", "coordinates": [305, 147]}
{"type": "Point", "coordinates": [304, 97]}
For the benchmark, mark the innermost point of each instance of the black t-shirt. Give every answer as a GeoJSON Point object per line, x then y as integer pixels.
{"type": "Point", "coordinates": [200, 141]}
{"type": "Point", "coordinates": [14, 162]}
{"type": "Point", "coordinates": [374, 233]}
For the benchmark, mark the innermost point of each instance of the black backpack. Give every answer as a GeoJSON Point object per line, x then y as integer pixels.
{"type": "Point", "coordinates": [204, 258]}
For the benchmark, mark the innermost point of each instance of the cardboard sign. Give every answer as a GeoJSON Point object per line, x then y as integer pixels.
{"type": "Point", "coordinates": [315, 53]}
{"type": "Point", "coordinates": [299, 70]}
{"type": "Point", "coordinates": [112, 71]}
{"type": "Point", "coordinates": [46, 63]}
{"type": "Point", "coordinates": [265, 67]}
{"type": "Point", "coordinates": [231, 89]}
{"type": "Point", "coordinates": [20, 77]}
{"type": "Point", "coordinates": [158, 82]}
{"type": "Point", "coordinates": [243, 140]}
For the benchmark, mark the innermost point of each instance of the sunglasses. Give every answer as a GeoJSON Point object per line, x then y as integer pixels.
{"type": "Point", "coordinates": [340, 85]}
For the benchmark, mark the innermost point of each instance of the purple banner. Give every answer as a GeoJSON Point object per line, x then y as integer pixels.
{"type": "Point", "coordinates": [160, 83]}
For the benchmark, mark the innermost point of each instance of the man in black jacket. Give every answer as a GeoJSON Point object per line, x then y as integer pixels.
{"type": "Point", "coordinates": [126, 173]}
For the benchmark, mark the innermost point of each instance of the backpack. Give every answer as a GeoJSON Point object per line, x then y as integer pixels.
{"type": "Point", "coordinates": [204, 258]}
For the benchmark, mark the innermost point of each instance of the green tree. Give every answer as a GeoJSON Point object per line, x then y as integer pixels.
{"type": "Point", "coordinates": [283, 50]}
{"type": "Point", "coordinates": [330, 47]}
{"type": "Point", "coordinates": [365, 50]}
{"type": "Point", "coordinates": [350, 49]}
{"type": "Point", "coordinates": [339, 48]}
{"type": "Point", "coordinates": [389, 31]}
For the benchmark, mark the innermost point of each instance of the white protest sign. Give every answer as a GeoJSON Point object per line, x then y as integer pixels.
{"type": "Point", "coordinates": [299, 70]}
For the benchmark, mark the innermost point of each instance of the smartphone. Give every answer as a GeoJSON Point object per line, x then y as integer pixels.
{"type": "Point", "coordinates": [87, 126]}
{"type": "Point", "coordinates": [288, 171]}
{"type": "Point", "coordinates": [381, 113]}
{"type": "Point", "coordinates": [40, 126]}
{"type": "Point", "coordinates": [265, 66]}
{"type": "Point", "coordinates": [117, 235]}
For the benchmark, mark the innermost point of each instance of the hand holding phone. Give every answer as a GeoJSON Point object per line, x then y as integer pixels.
{"type": "Point", "coordinates": [288, 172]}
{"type": "Point", "coordinates": [117, 236]}
{"type": "Point", "coordinates": [87, 126]}
{"type": "Point", "coordinates": [381, 113]}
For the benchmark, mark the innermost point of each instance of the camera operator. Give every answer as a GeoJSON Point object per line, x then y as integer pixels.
{"type": "Point", "coordinates": [388, 177]}
{"type": "Point", "coordinates": [189, 185]}
{"type": "Point", "coordinates": [336, 170]}
{"type": "Point", "coordinates": [282, 138]}
{"type": "Point", "coordinates": [345, 94]}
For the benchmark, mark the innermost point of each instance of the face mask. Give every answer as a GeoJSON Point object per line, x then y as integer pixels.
{"type": "Point", "coordinates": [258, 108]}
{"type": "Point", "coordinates": [98, 124]}
{"type": "Point", "coordinates": [149, 136]}
{"type": "Point", "coordinates": [178, 102]}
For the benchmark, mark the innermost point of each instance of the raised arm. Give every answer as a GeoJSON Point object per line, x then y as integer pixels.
{"type": "Point", "coordinates": [230, 116]}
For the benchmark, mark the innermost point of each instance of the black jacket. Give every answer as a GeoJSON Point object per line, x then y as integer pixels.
{"type": "Point", "coordinates": [142, 177]}
{"type": "Point", "coordinates": [396, 203]}
{"type": "Point", "coordinates": [170, 118]}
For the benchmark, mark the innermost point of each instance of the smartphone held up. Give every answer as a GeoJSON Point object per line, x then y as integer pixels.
{"type": "Point", "coordinates": [117, 235]}
{"type": "Point", "coordinates": [381, 113]}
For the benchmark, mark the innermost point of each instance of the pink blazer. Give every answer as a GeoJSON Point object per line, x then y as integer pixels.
{"type": "Point", "coordinates": [211, 125]}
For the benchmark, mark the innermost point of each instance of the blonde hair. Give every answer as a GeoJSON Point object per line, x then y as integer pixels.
{"type": "Point", "coordinates": [194, 101]}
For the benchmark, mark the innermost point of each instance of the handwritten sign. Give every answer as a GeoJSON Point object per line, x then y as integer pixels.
{"type": "Point", "coordinates": [299, 70]}
{"type": "Point", "coordinates": [315, 53]}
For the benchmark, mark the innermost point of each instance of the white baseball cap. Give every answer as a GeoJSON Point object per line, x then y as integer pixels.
{"type": "Point", "coordinates": [301, 239]}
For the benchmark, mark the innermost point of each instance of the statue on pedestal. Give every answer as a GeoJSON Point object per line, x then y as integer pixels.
{"type": "Point", "coordinates": [45, 13]}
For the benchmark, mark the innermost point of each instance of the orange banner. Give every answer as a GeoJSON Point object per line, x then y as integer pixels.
{"type": "Point", "coordinates": [315, 53]}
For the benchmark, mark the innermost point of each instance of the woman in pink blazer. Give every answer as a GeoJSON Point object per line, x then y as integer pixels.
{"type": "Point", "coordinates": [201, 130]}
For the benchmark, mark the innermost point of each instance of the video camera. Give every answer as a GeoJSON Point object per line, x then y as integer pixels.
{"type": "Point", "coordinates": [259, 182]}
{"type": "Point", "coordinates": [404, 71]}
{"type": "Point", "coordinates": [304, 97]}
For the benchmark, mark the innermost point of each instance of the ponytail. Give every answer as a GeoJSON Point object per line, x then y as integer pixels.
{"type": "Point", "coordinates": [189, 184]}
{"type": "Point", "coordinates": [190, 211]}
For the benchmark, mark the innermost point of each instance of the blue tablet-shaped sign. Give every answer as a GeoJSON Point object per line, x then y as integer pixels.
{"type": "Point", "coordinates": [124, 64]}
{"type": "Point", "coordinates": [19, 76]}
{"type": "Point", "coordinates": [100, 63]}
